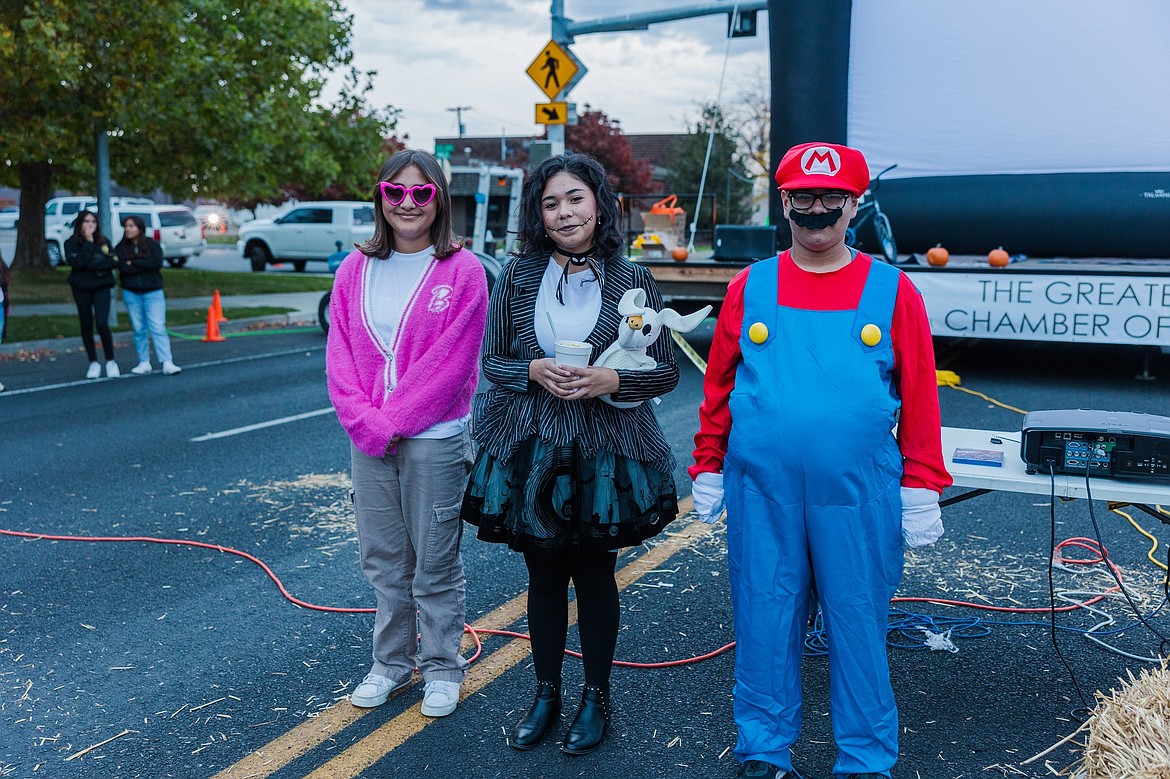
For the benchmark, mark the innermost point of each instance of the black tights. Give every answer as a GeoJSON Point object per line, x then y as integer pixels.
{"type": "Point", "coordinates": [597, 613]}
{"type": "Point", "coordinates": [93, 307]}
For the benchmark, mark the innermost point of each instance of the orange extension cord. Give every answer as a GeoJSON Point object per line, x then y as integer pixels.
{"type": "Point", "coordinates": [1083, 543]}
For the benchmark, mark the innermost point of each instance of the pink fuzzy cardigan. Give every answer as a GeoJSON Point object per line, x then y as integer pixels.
{"type": "Point", "coordinates": [430, 372]}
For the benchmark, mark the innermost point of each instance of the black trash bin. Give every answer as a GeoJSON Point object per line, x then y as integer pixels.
{"type": "Point", "coordinates": [744, 243]}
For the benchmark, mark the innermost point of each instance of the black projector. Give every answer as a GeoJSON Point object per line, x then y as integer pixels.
{"type": "Point", "coordinates": [1097, 443]}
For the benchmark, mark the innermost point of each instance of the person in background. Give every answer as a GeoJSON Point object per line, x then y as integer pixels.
{"type": "Point", "coordinates": [406, 321]}
{"type": "Point", "coordinates": [561, 476]}
{"type": "Point", "coordinates": [5, 280]}
{"type": "Point", "coordinates": [5, 277]}
{"type": "Point", "coordinates": [834, 349]}
{"type": "Point", "coordinates": [92, 263]}
{"type": "Point", "coordinates": [140, 262]}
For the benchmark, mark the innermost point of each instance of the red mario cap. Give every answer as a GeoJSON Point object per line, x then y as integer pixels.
{"type": "Point", "coordinates": [823, 166]}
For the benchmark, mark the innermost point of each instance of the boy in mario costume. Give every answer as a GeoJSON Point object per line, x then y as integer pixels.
{"type": "Point", "coordinates": [817, 355]}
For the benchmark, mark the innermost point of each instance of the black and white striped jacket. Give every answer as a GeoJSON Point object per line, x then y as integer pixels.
{"type": "Point", "coordinates": [516, 408]}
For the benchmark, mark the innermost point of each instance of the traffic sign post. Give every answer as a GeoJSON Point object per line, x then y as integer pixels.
{"type": "Point", "coordinates": [443, 151]}
{"type": "Point", "coordinates": [555, 71]}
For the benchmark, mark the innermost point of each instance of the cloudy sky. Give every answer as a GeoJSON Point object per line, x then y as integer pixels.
{"type": "Point", "coordinates": [432, 55]}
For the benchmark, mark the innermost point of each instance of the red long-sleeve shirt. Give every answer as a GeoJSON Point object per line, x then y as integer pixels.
{"type": "Point", "coordinates": [919, 425]}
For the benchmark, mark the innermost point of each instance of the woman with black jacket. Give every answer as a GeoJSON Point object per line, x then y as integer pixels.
{"type": "Point", "coordinates": [91, 258]}
{"type": "Point", "coordinates": [562, 476]}
{"type": "Point", "coordinates": [140, 261]}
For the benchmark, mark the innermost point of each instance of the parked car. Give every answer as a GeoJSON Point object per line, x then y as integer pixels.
{"type": "Point", "coordinates": [307, 231]}
{"type": "Point", "coordinates": [62, 210]}
{"type": "Point", "coordinates": [8, 217]}
{"type": "Point", "coordinates": [174, 227]}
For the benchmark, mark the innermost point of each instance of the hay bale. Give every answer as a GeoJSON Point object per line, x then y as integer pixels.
{"type": "Point", "coordinates": [1129, 735]}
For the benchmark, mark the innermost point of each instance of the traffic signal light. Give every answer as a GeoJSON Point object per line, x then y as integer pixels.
{"type": "Point", "coordinates": [741, 24]}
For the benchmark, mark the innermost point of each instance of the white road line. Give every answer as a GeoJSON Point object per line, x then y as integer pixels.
{"type": "Point", "coordinates": [262, 425]}
{"type": "Point", "coordinates": [186, 367]}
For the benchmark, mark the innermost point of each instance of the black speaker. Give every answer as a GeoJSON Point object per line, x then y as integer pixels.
{"type": "Point", "coordinates": [744, 243]}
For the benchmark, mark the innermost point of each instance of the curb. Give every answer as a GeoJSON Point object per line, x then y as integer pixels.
{"type": "Point", "coordinates": [55, 346]}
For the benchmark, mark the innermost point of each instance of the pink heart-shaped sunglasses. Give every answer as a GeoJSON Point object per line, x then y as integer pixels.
{"type": "Point", "coordinates": [395, 194]}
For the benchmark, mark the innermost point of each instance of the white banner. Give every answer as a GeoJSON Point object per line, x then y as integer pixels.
{"type": "Point", "coordinates": [955, 87]}
{"type": "Point", "coordinates": [1039, 307]}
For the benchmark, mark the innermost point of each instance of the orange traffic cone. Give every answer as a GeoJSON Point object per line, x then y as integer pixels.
{"type": "Point", "coordinates": [217, 307]}
{"type": "Point", "coordinates": [212, 326]}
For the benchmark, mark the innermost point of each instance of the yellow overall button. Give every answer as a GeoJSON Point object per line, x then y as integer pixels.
{"type": "Point", "coordinates": [871, 335]}
{"type": "Point", "coordinates": [758, 333]}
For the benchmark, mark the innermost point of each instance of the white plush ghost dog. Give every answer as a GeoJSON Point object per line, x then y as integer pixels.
{"type": "Point", "coordinates": [641, 327]}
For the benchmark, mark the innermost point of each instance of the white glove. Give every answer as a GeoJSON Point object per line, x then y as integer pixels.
{"type": "Point", "coordinates": [707, 492]}
{"type": "Point", "coordinates": [921, 517]}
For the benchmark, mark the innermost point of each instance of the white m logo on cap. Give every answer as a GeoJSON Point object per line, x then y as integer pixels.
{"type": "Point", "coordinates": [821, 160]}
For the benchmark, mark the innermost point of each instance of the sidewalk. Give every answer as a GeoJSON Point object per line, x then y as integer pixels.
{"type": "Point", "coordinates": [303, 305]}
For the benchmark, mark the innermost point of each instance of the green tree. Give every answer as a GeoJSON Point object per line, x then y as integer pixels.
{"type": "Point", "coordinates": [751, 115]}
{"type": "Point", "coordinates": [725, 172]}
{"type": "Point", "coordinates": [211, 98]}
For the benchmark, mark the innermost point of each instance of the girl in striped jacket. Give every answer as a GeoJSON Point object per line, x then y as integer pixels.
{"type": "Point", "coordinates": [561, 476]}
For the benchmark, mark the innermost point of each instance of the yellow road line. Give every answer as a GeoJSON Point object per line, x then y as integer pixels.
{"type": "Point", "coordinates": [277, 753]}
{"type": "Point", "coordinates": [369, 750]}
{"type": "Point", "coordinates": [689, 351]}
{"type": "Point", "coordinates": [281, 751]}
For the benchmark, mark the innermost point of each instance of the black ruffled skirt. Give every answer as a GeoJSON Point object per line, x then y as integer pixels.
{"type": "Point", "coordinates": [549, 499]}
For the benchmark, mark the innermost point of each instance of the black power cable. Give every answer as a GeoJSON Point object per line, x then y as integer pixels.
{"type": "Point", "coordinates": [1109, 566]}
{"type": "Point", "coordinates": [1085, 707]}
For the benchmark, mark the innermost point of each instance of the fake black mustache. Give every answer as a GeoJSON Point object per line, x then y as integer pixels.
{"type": "Point", "coordinates": [816, 221]}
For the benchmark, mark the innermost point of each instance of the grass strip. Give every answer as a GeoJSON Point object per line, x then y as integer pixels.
{"type": "Point", "coordinates": [39, 328]}
{"type": "Point", "coordinates": [30, 287]}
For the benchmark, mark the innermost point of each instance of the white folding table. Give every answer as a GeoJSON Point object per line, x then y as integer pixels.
{"type": "Point", "coordinates": [1014, 475]}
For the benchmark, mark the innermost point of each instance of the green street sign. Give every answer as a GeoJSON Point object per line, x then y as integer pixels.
{"type": "Point", "coordinates": [443, 150]}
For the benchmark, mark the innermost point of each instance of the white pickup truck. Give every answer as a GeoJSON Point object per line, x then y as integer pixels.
{"type": "Point", "coordinates": [307, 231]}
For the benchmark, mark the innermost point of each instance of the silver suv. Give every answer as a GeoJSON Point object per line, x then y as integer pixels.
{"type": "Point", "coordinates": [174, 227]}
{"type": "Point", "coordinates": [306, 231]}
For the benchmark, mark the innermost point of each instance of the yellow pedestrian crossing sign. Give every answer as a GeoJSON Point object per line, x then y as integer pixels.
{"type": "Point", "coordinates": [553, 69]}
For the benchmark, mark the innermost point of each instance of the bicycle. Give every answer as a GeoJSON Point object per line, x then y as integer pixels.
{"type": "Point", "coordinates": [869, 210]}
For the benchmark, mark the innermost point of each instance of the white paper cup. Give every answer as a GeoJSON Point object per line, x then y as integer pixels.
{"type": "Point", "coordinates": [574, 353]}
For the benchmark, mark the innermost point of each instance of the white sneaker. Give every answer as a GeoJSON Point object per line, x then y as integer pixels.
{"type": "Point", "coordinates": [170, 369]}
{"type": "Point", "coordinates": [440, 698]}
{"type": "Point", "coordinates": [94, 371]}
{"type": "Point", "coordinates": [141, 368]}
{"type": "Point", "coordinates": [112, 369]}
{"type": "Point", "coordinates": [374, 690]}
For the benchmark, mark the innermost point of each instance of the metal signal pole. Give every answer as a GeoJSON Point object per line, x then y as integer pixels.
{"type": "Point", "coordinates": [564, 31]}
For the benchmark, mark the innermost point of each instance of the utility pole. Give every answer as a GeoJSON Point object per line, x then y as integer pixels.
{"type": "Point", "coordinates": [459, 109]}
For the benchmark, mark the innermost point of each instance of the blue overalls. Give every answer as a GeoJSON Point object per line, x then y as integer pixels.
{"type": "Point", "coordinates": [812, 477]}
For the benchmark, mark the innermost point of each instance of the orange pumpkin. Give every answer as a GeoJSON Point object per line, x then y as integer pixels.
{"type": "Point", "coordinates": [937, 256]}
{"type": "Point", "coordinates": [678, 253]}
{"type": "Point", "coordinates": [998, 258]}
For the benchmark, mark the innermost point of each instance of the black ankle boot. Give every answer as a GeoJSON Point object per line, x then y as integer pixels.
{"type": "Point", "coordinates": [591, 723]}
{"type": "Point", "coordinates": [541, 716]}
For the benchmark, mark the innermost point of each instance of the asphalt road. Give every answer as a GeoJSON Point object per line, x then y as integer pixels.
{"type": "Point", "coordinates": [183, 661]}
